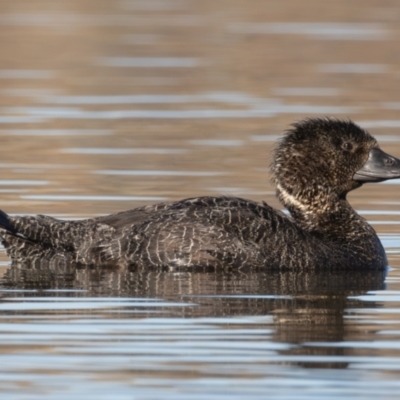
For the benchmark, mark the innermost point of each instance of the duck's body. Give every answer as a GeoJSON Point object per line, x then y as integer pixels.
{"type": "Point", "coordinates": [200, 232]}
{"type": "Point", "coordinates": [323, 232]}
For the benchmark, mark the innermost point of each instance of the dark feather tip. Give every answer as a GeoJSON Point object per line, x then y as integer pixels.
{"type": "Point", "coordinates": [6, 224]}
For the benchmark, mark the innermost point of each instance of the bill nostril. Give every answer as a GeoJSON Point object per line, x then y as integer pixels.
{"type": "Point", "coordinates": [389, 161]}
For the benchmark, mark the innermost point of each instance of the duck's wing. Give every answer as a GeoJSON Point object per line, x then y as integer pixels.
{"type": "Point", "coordinates": [132, 217]}
{"type": "Point", "coordinates": [199, 232]}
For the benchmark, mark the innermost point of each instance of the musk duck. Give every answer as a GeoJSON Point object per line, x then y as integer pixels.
{"type": "Point", "coordinates": [315, 164]}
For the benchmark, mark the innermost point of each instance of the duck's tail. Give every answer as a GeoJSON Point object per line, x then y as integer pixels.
{"type": "Point", "coordinates": [6, 224]}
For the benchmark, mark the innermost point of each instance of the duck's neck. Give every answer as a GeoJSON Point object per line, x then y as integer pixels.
{"type": "Point", "coordinates": [328, 215]}
{"type": "Point", "coordinates": [332, 221]}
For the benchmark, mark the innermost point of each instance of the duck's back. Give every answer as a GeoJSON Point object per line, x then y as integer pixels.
{"type": "Point", "coordinates": [198, 232]}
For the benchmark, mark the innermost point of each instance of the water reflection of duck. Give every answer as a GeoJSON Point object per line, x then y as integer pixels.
{"type": "Point", "coordinates": [253, 291]}
{"type": "Point", "coordinates": [315, 165]}
{"type": "Point", "coordinates": [294, 308]}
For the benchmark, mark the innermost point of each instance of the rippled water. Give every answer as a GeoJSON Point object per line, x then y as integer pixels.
{"type": "Point", "coordinates": [109, 105]}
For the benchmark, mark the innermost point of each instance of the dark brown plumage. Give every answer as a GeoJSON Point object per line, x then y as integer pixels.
{"type": "Point", "coordinates": [315, 165]}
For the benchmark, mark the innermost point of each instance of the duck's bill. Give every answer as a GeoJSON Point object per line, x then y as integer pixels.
{"type": "Point", "coordinates": [379, 167]}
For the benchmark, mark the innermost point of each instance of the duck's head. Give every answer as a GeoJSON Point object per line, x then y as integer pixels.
{"type": "Point", "coordinates": [319, 161]}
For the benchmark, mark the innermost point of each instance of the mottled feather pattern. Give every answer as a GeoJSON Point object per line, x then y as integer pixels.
{"type": "Point", "coordinates": [184, 233]}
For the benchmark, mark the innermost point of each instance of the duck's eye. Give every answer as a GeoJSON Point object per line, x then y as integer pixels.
{"type": "Point", "coordinates": [347, 146]}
